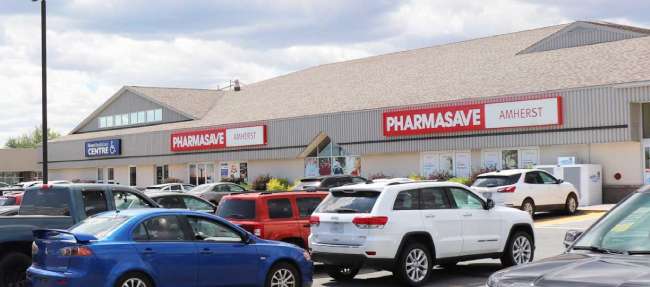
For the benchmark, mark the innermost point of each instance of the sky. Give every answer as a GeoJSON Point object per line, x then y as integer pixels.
{"type": "Point", "coordinates": [97, 46]}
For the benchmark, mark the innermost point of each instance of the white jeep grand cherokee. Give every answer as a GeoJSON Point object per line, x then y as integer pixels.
{"type": "Point", "coordinates": [408, 228]}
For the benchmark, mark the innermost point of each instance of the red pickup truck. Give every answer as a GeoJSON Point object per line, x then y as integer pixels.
{"type": "Point", "coordinates": [281, 216]}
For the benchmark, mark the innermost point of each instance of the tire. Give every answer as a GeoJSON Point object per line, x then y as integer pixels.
{"type": "Point", "coordinates": [13, 270]}
{"type": "Point", "coordinates": [341, 273]}
{"type": "Point", "coordinates": [528, 206]}
{"type": "Point", "coordinates": [410, 273]}
{"type": "Point", "coordinates": [571, 205]}
{"type": "Point", "coordinates": [283, 272]}
{"type": "Point", "coordinates": [134, 279]}
{"type": "Point", "coordinates": [519, 250]}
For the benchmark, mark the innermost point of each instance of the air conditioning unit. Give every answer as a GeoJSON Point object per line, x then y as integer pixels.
{"type": "Point", "coordinates": [587, 178]}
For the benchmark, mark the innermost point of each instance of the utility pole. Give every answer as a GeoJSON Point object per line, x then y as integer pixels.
{"type": "Point", "coordinates": [44, 88]}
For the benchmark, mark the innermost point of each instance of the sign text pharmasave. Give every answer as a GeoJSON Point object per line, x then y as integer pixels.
{"type": "Point", "coordinates": [218, 138]}
{"type": "Point", "coordinates": [526, 113]}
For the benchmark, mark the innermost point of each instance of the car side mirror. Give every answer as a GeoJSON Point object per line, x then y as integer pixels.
{"type": "Point", "coordinates": [571, 236]}
{"type": "Point", "coordinates": [560, 181]}
{"type": "Point", "coordinates": [489, 204]}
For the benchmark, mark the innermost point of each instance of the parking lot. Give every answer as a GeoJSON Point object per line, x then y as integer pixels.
{"type": "Point", "coordinates": [549, 229]}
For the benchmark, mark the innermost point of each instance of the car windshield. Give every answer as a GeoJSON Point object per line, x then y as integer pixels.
{"type": "Point", "coordinates": [156, 187]}
{"type": "Point", "coordinates": [496, 180]}
{"type": "Point", "coordinates": [202, 188]}
{"type": "Point", "coordinates": [100, 226]}
{"type": "Point", "coordinates": [306, 185]}
{"type": "Point", "coordinates": [625, 230]}
{"type": "Point", "coordinates": [5, 201]}
{"type": "Point", "coordinates": [236, 209]}
{"type": "Point", "coordinates": [349, 201]}
{"type": "Point", "coordinates": [45, 202]}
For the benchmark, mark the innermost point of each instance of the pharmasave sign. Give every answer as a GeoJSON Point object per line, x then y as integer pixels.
{"type": "Point", "coordinates": [524, 113]}
{"type": "Point", "coordinates": [218, 138]}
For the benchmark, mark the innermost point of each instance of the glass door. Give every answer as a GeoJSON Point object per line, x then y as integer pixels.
{"type": "Point", "coordinates": [201, 173]}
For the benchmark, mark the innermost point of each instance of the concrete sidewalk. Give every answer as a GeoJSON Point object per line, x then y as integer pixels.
{"type": "Point", "coordinates": [600, 208]}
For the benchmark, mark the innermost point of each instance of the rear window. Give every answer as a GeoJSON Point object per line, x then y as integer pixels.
{"type": "Point", "coordinates": [496, 180]}
{"type": "Point", "coordinates": [6, 201]}
{"type": "Point", "coordinates": [46, 202]}
{"type": "Point", "coordinates": [348, 201]}
{"type": "Point", "coordinates": [236, 209]}
{"type": "Point", "coordinates": [99, 227]}
{"type": "Point", "coordinates": [155, 187]}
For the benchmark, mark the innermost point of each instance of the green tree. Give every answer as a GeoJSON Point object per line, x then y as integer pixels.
{"type": "Point", "coordinates": [31, 139]}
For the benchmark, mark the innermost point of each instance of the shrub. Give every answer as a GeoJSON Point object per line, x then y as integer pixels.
{"type": "Point", "coordinates": [378, 175]}
{"type": "Point", "coordinates": [462, 180]}
{"type": "Point", "coordinates": [232, 179]}
{"type": "Point", "coordinates": [415, 176]}
{"type": "Point", "coordinates": [277, 184]}
{"type": "Point", "coordinates": [260, 182]}
{"type": "Point", "coordinates": [478, 172]}
{"type": "Point", "coordinates": [172, 180]}
{"type": "Point", "coordinates": [439, 176]}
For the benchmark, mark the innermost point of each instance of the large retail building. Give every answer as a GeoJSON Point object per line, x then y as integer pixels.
{"type": "Point", "coordinates": [579, 91]}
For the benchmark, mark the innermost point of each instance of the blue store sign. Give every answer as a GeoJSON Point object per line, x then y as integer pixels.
{"type": "Point", "coordinates": [110, 147]}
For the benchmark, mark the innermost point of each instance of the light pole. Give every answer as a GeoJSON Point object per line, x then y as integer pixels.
{"type": "Point", "coordinates": [44, 88]}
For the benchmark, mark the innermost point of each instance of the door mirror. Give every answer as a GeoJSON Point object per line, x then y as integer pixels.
{"type": "Point", "coordinates": [560, 181]}
{"type": "Point", "coordinates": [571, 236]}
{"type": "Point", "coordinates": [489, 204]}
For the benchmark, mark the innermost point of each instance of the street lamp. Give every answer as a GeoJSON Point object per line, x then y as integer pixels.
{"type": "Point", "coordinates": [44, 89]}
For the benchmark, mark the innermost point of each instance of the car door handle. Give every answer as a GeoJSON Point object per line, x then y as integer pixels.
{"type": "Point", "coordinates": [467, 215]}
{"type": "Point", "coordinates": [429, 216]}
{"type": "Point", "coordinates": [206, 251]}
{"type": "Point", "coordinates": [148, 251]}
{"type": "Point", "coordinates": [307, 225]}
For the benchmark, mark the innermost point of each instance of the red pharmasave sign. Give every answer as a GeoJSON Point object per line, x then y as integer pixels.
{"type": "Point", "coordinates": [524, 113]}
{"type": "Point", "coordinates": [218, 138]}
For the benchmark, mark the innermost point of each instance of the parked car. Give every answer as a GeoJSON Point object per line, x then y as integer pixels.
{"type": "Point", "coordinates": [9, 210]}
{"type": "Point", "coordinates": [58, 207]}
{"type": "Point", "coordinates": [146, 248]}
{"type": "Point", "coordinates": [531, 190]}
{"type": "Point", "coordinates": [213, 192]}
{"type": "Point", "coordinates": [615, 251]}
{"type": "Point", "coordinates": [324, 183]}
{"type": "Point", "coordinates": [173, 187]}
{"type": "Point", "coordinates": [182, 201]}
{"type": "Point", "coordinates": [282, 216]}
{"type": "Point", "coordinates": [3, 184]}
{"type": "Point", "coordinates": [408, 228]}
{"type": "Point", "coordinates": [11, 199]}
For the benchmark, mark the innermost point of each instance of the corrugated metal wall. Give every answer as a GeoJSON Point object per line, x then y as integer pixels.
{"type": "Point", "coordinates": [591, 115]}
{"type": "Point", "coordinates": [580, 34]}
{"type": "Point", "coordinates": [130, 102]}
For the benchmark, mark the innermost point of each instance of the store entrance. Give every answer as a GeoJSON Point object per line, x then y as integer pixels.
{"type": "Point", "coordinates": [201, 173]}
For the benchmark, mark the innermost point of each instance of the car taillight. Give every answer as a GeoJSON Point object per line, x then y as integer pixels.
{"type": "Point", "coordinates": [81, 251]}
{"type": "Point", "coordinates": [370, 222]}
{"type": "Point", "coordinates": [34, 248]}
{"type": "Point", "coordinates": [507, 189]}
{"type": "Point", "coordinates": [314, 220]}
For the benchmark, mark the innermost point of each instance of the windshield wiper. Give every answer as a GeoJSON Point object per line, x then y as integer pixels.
{"type": "Point", "coordinates": [598, 249]}
{"type": "Point", "coordinates": [346, 210]}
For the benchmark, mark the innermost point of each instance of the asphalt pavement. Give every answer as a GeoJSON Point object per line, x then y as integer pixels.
{"type": "Point", "coordinates": [549, 229]}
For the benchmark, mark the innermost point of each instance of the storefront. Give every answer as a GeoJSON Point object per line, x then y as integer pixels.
{"type": "Point", "coordinates": [452, 110]}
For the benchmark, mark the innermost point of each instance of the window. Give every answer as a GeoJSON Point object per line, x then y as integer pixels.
{"type": "Point", "coordinates": [496, 180]}
{"type": "Point", "coordinates": [171, 202]}
{"type": "Point", "coordinates": [175, 187]}
{"type": "Point", "coordinates": [140, 233]}
{"type": "Point", "coordinates": [547, 179]}
{"type": "Point", "coordinates": [307, 205]}
{"type": "Point", "coordinates": [358, 180]}
{"type": "Point", "coordinates": [94, 201]}
{"type": "Point", "coordinates": [99, 227]}
{"type": "Point", "coordinates": [196, 204]}
{"type": "Point", "coordinates": [100, 175]}
{"type": "Point", "coordinates": [434, 198]}
{"type": "Point", "coordinates": [162, 173]}
{"type": "Point", "coordinates": [134, 118]}
{"type": "Point", "coordinates": [208, 230]}
{"type": "Point", "coordinates": [358, 201]}
{"type": "Point", "coordinates": [510, 159]}
{"type": "Point", "coordinates": [279, 208]}
{"type": "Point", "coordinates": [465, 199]}
{"type": "Point", "coordinates": [533, 178]}
{"type": "Point", "coordinates": [102, 122]}
{"type": "Point", "coordinates": [133, 176]}
{"type": "Point", "coordinates": [237, 209]}
{"type": "Point", "coordinates": [45, 202]}
{"type": "Point", "coordinates": [158, 115]}
{"type": "Point", "coordinates": [111, 174]}
{"type": "Point", "coordinates": [125, 119]}
{"type": "Point", "coordinates": [118, 120]}
{"type": "Point", "coordinates": [150, 116]}
{"type": "Point", "coordinates": [141, 118]}
{"type": "Point", "coordinates": [407, 200]}
{"type": "Point", "coordinates": [127, 200]}
{"type": "Point", "coordinates": [235, 188]}
{"type": "Point", "coordinates": [164, 228]}
{"type": "Point", "coordinates": [109, 122]}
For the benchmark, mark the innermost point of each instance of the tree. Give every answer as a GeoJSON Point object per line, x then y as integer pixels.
{"type": "Point", "coordinates": [31, 139]}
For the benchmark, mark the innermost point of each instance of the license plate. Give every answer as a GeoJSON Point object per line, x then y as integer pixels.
{"type": "Point", "coordinates": [336, 228]}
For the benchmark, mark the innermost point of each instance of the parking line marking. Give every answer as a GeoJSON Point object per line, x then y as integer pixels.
{"type": "Point", "coordinates": [589, 215]}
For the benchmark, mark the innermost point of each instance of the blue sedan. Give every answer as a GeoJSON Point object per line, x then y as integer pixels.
{"type": "Point", "coordinates": [163, 247]}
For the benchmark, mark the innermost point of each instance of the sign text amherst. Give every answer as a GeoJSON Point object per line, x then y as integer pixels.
{"type": "Point", "coordinates": [524, 113]}
{"type": "Point", "coordinates": [218, 138]}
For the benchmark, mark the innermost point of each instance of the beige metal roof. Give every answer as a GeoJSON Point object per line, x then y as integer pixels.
{"type": "Point", "coordinates": [477, 68]}
{"type": "Point", "coordinates": [193, 102]}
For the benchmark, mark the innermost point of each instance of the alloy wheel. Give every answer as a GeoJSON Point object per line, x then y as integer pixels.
{"type": "Point", "coordinates": [573, 205]}
{"type": "Point", "coordinates": [522, 250]}
{"type": "Point", "coordinates": [417, 265]}
{"type": "Point", "coordinates": [283, 278]}
{"type": "Point", "coordinates": [134, 282]}
{"type": "Point", "coordinates": [528, 207]}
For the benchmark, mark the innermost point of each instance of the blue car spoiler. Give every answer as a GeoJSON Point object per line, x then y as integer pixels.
{"type": "Point", "coordinates": [49, 233]}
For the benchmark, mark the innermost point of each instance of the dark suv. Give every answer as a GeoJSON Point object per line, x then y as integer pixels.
{"type": "Point", "coordinates": [324, 183]}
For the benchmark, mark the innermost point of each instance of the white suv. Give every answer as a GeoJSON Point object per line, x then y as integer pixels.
{"type": "Point", "coordinates": [530, 190]}
{"type": "Point", "coordinates": [408, 228]}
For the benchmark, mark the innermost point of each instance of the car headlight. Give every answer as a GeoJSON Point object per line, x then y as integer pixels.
{"type": "Point", "coordinates": [496, 280]}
